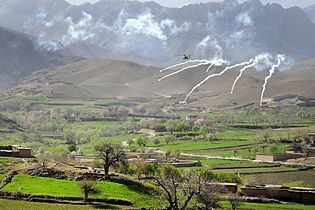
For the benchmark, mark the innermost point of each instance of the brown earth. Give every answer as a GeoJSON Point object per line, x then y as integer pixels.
{"type": "Point", "coordinates": [123, 79]}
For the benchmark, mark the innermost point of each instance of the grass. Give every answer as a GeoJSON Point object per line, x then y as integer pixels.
{"type": "Point", "coordinates": [243, 153]}
{"type": "Point", "coordinates": [2, 176]}
{"type": "Point", "coordinates": [202, 145]}
{"type": "Point", "coordinates": [210, 162]}
{"type": "Point", "coordinates": [56, 187]}
{"type": "Point", "coordinates": [283, 178]}
{"type": "Point", "coordinates": [25, 205]}
{"type": "Point", "coordinates": [238, 134]}
{"type": "Point", "coordinates": [225, 164]}
{"type": "Point", "coordinates": [261, 206]}
{"type": "Point", "coordinates": [256, 170]}
{"type": "Point", "coordinates": [8, 160]}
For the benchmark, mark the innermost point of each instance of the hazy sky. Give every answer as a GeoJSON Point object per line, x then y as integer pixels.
{"type": "Point", "coordinates": [178, 3]}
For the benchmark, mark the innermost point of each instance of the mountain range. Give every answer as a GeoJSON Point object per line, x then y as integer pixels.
{"type": "Point", "coordinates": [20, 56]}
{"type": "Point", "coordinates": [115, 48]}
{"type": "Point", "coordinates": [149, 33]}
{"type": "Point", "coordinates": [124, 79]}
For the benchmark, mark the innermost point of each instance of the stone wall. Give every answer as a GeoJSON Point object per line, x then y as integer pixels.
{"type": "Point", "coordinates": [304, 196]}
{"type": "Point", "coordinates": [278, 157]}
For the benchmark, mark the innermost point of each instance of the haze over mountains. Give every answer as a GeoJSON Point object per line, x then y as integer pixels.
{"type": "Point", "coordinates": [112, 78]}
{"type": "Point", "coordinates": [310, 11]}
{"type": "Point", "coordinates": [120, 29]}
{"type": "Point", "coordinates": [20, 56]}
{"type": "Point", "coordinates": [50, 33]}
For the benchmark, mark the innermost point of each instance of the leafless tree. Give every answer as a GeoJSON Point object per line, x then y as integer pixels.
{"type": "Point", "coordinates": [179, 189]}
{"type": "Point", "coordinates": [171, 181]}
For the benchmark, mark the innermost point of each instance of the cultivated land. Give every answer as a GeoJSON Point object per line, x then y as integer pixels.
{"type": "Point", "coordinates": [234, 136]}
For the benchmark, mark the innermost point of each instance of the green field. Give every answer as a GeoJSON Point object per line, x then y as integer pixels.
{"type": "Point", "coordinates": [202, 145]}
{"type": "Point", "coordinates": [256, 170]}
{"type": "Point", "coordinates": [56, 187]}
{"type": "Point", "coordinates": [306, 177]}
{"type": "Point", "coordinates": [238, 132]}
{"type": "Point", "coordinates": [2, 176]}
{"type": "Point", "coordinates": [226, 164]}
{"type": "Point", "coordinates": [243, 153]}
{"type": "Point", "coordinates": [25, 205]}
{"type": "Point", "coordinates": [211, 162]}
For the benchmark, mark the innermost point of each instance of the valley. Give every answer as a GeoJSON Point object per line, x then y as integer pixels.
{"type": "Point", "coordinates": [121, 104]}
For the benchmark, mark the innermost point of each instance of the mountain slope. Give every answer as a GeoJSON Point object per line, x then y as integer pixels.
{"type": "Point", "coordinates": [88, 79]}
{"type": "Point", "coordinates": [149, 33]}
{"type": "Point", "coordinates": [310, 11]}
{"type": "Point", "coordinates": [113, 78]}
{"type": "Point", "coordinates": [20, 56]}
{"type": "Point", "coordinates": [7, 124]}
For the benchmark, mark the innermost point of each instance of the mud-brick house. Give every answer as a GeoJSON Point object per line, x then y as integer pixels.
{"type": "Point", "coordinates": [21, 151]}
{"type": "Point", "coordinates": [16, 151]}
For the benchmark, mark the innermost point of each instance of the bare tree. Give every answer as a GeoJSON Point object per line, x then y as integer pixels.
{"type": "Point", "coordinates": [266, 134]}
{"type": "Point", "coordinates": [208, 196]}
{"type": "Point", "coordinates": [111, 154]}
{"type": "Point", "coordinates": [181, 188]}
{"type": "Point", "coordinates": [169, 179]}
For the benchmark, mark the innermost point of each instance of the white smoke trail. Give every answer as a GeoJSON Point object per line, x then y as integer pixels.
{"type": "Point", "coordinates": [184, 63]}
{"type": "Point", "coordinates": [183, 69]}
{"type": "Point", "coordinates": [241, 73]}
{"type": "Point", "coordinates": [214, 75]}
{"type": "Point", "coordinates": [209, 67]}
{"type": "Point", "coordinates": [216, 62]}
{"type": "Point", "coordinates": [280, 59]}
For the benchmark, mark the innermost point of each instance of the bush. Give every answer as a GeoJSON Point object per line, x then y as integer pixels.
{"type": "Point", "coordinates": [228, 177]}
{"type": "Point", "coordinates": [88, 188]}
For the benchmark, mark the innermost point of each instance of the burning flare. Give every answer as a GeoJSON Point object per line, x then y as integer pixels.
{"type": "Point", "coordinates": [184, 63]}
{"type": "Point", "coordinates": [215, 75]}
{"type": "Point", "coordinates": [280, 59]}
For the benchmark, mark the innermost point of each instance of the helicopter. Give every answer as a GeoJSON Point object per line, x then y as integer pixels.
{"type": "Point", "coordinates": [185, 57]}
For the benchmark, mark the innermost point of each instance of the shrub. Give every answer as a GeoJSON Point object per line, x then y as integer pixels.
{"type": "Point", "coordinates": [88, 188]}
{"type": "Point", "coordinates": [228, 177]}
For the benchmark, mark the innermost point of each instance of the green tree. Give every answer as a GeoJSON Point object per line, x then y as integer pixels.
{"type": "Point", "coordinates": [111, 154]}
{"type": "Point", "coordinates": [130, 142]}
{"type": "Point", "coordinates": [139, 168]}
{"type": "Point", "coordinates": [168, 139]}
{"type": "Point", "coordinates": [167, 154]}
{"type": "Point", "coordinates": [88, 188]}
{"type": "Point", "coordinates": [69, 136]}
{"type": "Point", "coordinates": [150, 169]}
{"type": "Point", "coordinates": [204, 130]}
{"type": "Point", "coordinates": [183, 127]}
{"type": "Point", "coordinates": [235, 152]}
{"type": "Point", "coordinates": [171, 126]}
{"type": "Point", "coordinates": [176, 154]}
{"type": "Point", "coordinates": [195, 129]}
{"type": "Point", "coordinates": [273, 148]}
{"type": "Point", "coordinates": [156, 141]}
{"type": "Point", "coordinates": [72, 148]}
{"type": "Point", "coordinates": [142, 141]}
